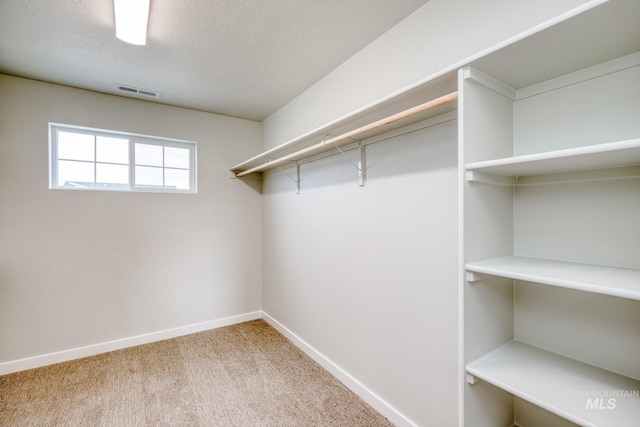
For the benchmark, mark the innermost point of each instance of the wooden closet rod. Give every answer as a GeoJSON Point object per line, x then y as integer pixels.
{"type": "Point", "coordinates": [371, 126]}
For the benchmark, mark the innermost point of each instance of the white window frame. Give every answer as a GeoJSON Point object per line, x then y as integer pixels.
{"type": "Point", "coordinates": [54, 128]}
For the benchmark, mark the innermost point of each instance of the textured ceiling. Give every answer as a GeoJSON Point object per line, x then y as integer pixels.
{"type": "Point", "coordinates": [242, 58]}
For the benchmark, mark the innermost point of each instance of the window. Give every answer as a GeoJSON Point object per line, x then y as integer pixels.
{"type": "Point", "coordinates": [94, 159]}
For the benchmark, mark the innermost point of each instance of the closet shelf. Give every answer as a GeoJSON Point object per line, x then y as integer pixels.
{"type": "Point", "coordinates": [265, 161]}
{"type": "Point", "coordinates": [613, 281]}
{"type": "Point", "coordinates": [591, 157]}
{"type": "Point", "coordinates": [574, 390]}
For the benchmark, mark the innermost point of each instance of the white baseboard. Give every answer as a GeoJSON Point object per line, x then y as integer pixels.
{"type": "Point", "coordinates": [92, 350]}
{"type": "Point", "coordinates": [354, 385]}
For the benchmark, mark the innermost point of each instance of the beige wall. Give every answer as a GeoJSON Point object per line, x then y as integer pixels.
{"type": "Point", "coordinates": [84, 267]}
{"type": "Point", "coordinates": [367, 276]}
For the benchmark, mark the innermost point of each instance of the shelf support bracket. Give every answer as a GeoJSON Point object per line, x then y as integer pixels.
{"type": "Point", "coordinates": [361, 165]}
{"type": "Point", "coordinates": [295, 180]}
{"type": "Point", "coordinates": [485, 178]}
{"type": "Point", "coordinates": [471, 379]}
{"type": "Point", "coordinates": [472, 276]}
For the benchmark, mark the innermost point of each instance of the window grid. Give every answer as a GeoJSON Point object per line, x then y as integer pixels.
{"type": "Point", "coordinates": [187, 150]}
{"type": "Point", "coordinates": [95, 163]}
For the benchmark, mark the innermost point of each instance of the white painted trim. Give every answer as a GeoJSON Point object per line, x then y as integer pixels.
{"type": "Point", "coordinates": [350, 382]}
{"type": "Point", "coordinates": [461, 247]}
{"type": "Point", "coordinates": [93, 349]}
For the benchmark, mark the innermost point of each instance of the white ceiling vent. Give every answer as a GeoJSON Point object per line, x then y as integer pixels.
{"type": "Point", "coordinates": [137, 91]}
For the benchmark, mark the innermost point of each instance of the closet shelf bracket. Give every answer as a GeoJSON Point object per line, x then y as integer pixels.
{"type": "Point", "coordinates": [471, 379]}
{"type": "Point", "coordinates": [486, 178]}
{"type": "Point", "coordinates": [361, 165]}
{"type": "Point", "coordinates": [473, 276]}
{"type": "Point", "coordinates": [296, 180]}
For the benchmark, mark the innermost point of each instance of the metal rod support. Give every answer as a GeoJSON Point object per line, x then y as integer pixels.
{"type": "Point", "coordinates": [295, 180]}
{"type": "Point", "coordinates": [362, 164]}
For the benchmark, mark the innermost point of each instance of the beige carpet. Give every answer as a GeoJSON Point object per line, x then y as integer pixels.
{"type": "Point", "coordinates": [242, 375]}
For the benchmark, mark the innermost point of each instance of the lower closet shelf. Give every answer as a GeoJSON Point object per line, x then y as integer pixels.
{"type": "Point", "coordinates": [576, 391]}
{"type": "Point", "coordinates": [613, 281]}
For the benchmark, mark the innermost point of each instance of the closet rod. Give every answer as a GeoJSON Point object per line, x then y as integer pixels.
{"type": "Point", "coordinates": [371, 126]}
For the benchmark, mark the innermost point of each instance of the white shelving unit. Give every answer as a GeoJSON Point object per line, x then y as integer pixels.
{"type": "Point", "coordinates": [598, 157]}
{"type": "Point", "coordinates": [578, 392]}
{"type": "Point", "coordinates": [617, 282]}
{"type": "Point", "coordinates": [549, 135]}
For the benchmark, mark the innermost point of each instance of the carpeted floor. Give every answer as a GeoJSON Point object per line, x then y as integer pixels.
{"type": "Point", "coordinates": [241, 375]}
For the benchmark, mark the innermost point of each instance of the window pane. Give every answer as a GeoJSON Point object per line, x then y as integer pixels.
{"type": "Point", "coordinates": [111, 160]}
{"type": "Point", "coordinates": [176, 179]}
{"type": "Point", "coordinates": [75, 146]}
{"type": "Point", "coordinates": [75, 174]}
{"type": "Point", "coordinates": [150, 155]}
{"type": "Point", "coordinates": [112, 176]}
{"type": "Point", "coordinates": [112, 150]}
{"type": "Point", "coordinates": [176, 157]}
{"type": "Point", "coordinates": [148, 177]}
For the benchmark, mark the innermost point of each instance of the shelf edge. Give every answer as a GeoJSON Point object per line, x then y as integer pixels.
{"type": "Point", "coordinates": [567, 153]}
{"type": "Point", "coordinates": [558, 282]}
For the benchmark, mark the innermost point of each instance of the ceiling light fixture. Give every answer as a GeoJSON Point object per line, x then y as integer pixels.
{"type": "Point", "coordinates": [131, 20]}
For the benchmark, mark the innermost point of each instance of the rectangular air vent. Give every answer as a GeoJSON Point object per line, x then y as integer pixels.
{"type": "Point", "coordinates": [137, 91]}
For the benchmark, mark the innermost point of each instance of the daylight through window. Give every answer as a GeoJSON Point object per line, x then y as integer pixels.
{"type": "Point", "coordinates": [93, 159]}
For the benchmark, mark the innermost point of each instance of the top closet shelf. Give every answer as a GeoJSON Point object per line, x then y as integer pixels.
{"type": "Point", "coordinates": [613, 281]}
{"type": "Point", "coordinates": [586, 158]}
{"type": "Point", "coordinates": [281, 156]}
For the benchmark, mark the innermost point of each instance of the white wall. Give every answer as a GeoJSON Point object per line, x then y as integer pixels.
{"type": "Point", "coordinates": [83, 267]}
{"type": "Point", "coordinates": [367, 276]}
{"type": "Point", "coordinates": [437, 36]}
